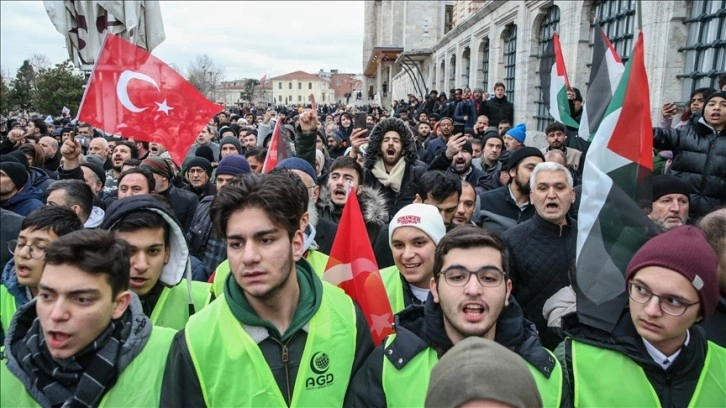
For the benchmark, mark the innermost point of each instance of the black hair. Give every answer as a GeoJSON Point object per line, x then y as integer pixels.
{"type": "Point", "coordinates": [76, 192]}
{"type": "Point", "coordinates": [438, 185]}
{"type": "Point", "coordinates": [465, 237]}
{"type": "Point", "coordinates": [553, 127]}
{"type": "Point", "coordinates": [347, 162]}
{"type": "Point", "coordinates": [58, 220]}
{"type": "Point", "coordinates": [96, 252]}
{"type": "Point", "coordinates": [259, 153]}
{"type": "Point", "coordinates": [137, 220]}
{"type": "Point", "coordinates": [130, 145]}
{"type": "Point", "coordinates": [139, 170]}
{"type": "Point", "coordinates": [40, 124]}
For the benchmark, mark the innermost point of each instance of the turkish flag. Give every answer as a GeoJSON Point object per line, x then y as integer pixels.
{"type": "Point", "coordinates": [133, 94]}
{"type": "Point", "coordinates": [352, 266]}
{"type": "Point", "coordinates": [278, 150]}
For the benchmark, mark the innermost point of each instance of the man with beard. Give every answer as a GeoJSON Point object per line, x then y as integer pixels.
{"type": "Point", "coordinates": [507, 206]}
{"type": "Point", "coordinates": [670, 202]}
{"type": "Point", "coordinates": [423, 132]}
{"type": "Point", "coordinates": [470, 297]}
{"type": "Point", "coordinates": [492, 176]}
{"type": "Point", "coordinates": [446, 129]}
{"type": "Point", "coordinates": [543, 248]}
{"type": "Point", "coordinates": [456, 158]}
{"type": "Point", "coordinates": [481, 125]}
{"type": "Point", "coordinates": [467, 205]}
{"type": "Point", "coordinates": [556, 137]}
{"type": "Point", "coordinates": [275, 312]}
{"type": "Point", "coordinates": [123, 151]}
{"type": "Point", "coordinates": [391, 164]}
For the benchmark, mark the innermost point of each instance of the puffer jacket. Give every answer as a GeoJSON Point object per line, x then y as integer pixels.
{"type": "Point", "coordinates": [700, 160]}
{"type": "Point", "coordinates": [372, 205]}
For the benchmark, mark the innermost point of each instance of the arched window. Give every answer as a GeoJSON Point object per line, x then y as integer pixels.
{"type": "Point", "coordinates": [706, 48]}
{"type": "Point", "coordinates": [310, 85]}
{"type": "Point", "coordinates": [466, 61]}
{"type": "Point", "coordinates": [279, 85]}
{"type": "Point", "coordinates": [510, 59]}
{"type": "Point", "coordinates": [299, 85]}
{"type": "Point", "coordinates": [547, 28]}
{"type": "Point", "coordinates": [485, 64]}
{"type": "Point", "coordinates": [289, 85]}
{"type": "Point", "coordinates": [617, 18]}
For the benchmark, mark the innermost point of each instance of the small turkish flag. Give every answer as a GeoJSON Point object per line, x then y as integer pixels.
{"type": "Point", "coordinates": [133, 94]}
{"type": "Point", "coordinates": [278, 150]}
{"type": "Point", "coordinates": [352, 266]}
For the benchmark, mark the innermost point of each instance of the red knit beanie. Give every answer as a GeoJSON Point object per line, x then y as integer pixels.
{"type": "Point", "coordinates": [684, 250]}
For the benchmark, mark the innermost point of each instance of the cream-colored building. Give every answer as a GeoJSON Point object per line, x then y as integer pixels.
{"type": "Point", "coordinates": [502, 41]}
{"type": "Point", "coordinates": [295, 88]}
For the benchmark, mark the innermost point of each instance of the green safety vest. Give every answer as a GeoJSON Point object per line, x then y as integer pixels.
{"type": "Point", "coordinates": [317, 260]}
{"type": "Point", "coordinates": [232, 370]}
{"type": "Point", "coordinates": [394, 288]}
{"type": "Point", "coordinates": [139, 385]}
{"type": "Point", "coordinates": [608, 378]}
{"type": "Point", "coordinates": [7, 308]}
{"type": "Point", "coordinates": [172, 308]}
{"type": "Point", "coordinates": [407, 387]}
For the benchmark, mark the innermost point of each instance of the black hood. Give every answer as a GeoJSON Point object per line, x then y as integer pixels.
{"type": "Point", "coordinates": [376, 138]}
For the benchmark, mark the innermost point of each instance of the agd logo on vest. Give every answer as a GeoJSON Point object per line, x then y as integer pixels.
{"type": "Point", "coordinates": [319, 364]}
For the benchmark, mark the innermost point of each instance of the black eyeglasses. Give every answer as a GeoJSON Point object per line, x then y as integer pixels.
{"type": "Point", "coordinates": [489, 277]}
{"type": "Point", "coordinates": [669, 304]}
{"type": "Point", "coordinates": [36, 251]}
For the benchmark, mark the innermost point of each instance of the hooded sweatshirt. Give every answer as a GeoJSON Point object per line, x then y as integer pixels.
{"type": "Point", "coordinates": [25, 201]}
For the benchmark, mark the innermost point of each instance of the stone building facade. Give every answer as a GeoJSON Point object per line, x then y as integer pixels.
{"type": "Point", "coordinates": [295, 89]}
{"type": "Point", "coordinates": [502, 41]}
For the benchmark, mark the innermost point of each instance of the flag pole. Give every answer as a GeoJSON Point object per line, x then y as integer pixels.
{"type": "Point", "coordinates": [639, 12]}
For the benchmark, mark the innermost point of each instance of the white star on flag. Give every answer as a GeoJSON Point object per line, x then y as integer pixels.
{"type": "Point", "coordinates": [163, 107]}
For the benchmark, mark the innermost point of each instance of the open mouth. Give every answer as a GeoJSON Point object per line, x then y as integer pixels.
{"type": "Point", "coordinates": [552, 206]}
{"type": "Point", "coordinates": [22, 271]}
{"type": "Point", "coordinates": [339, 193]}
{"type": "Point", "coordinates": [137, 282]}
{"type": "Point", "coordinates": [391, 152]}
{"type": "Point", "coordinates": [56, 339]}
{"type": "Point", "coordinates": [411, 266]}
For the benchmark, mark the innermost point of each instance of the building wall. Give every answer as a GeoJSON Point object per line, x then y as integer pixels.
{"type": "Point", "coordinates": [300, 92]}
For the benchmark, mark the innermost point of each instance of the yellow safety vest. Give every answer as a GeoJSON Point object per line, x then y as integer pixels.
{"type": "Point", "coordinates": [139, 385]}
{"type": "Point", "coordinates": [394, 288]}
{"type": "Point", "coordinates": [407, 387]}
{"type": "Point", "coordinates": [172, 308]}
{"type": "Point", "coordinates": [608, 378]}
{"type": "Point", "coordinates": [7, 308]}
{"type": "Point", "coordinates": [232, 370]}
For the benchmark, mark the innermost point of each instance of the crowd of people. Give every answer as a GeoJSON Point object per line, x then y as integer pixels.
{"type": "Point", "coordinates": [129, 279]}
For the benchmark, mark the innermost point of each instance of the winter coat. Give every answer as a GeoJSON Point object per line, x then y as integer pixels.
{"type": "Point", "coordinates": [40, 178]}
{"type": "Point", "coordinates": [699, 160]}
{"type": "Point", "coordinates": [465, 108]}
{"type": "Point", "coordinates": [25, 201]}
{"type": "Point", "coordinates": [540, 254]}
{"type": "Point", "coordinates": [715, 326]}
{"type": "Point", "coordinates": [498, 109]}
{"type": "Point", "coordinates": [441, 162]}
{"type": "Point", "coordinates": [372, 205]}
{"type": "Point", "coordinates": [420, 327]}
{"type": "Point", "coordinates": [499, 211]}
{"type": "Point", "coordinates": [184, 203]}
{"type": "Point", "coordinates": [9, 229]}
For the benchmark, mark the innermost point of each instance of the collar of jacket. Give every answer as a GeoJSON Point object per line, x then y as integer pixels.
{"type": "Point", "coordinates": [556, 229]}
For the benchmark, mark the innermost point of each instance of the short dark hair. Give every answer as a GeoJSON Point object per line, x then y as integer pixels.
{"type": "Point", "coordinates": [76, 192]}
{"type": "Point", "coordinates": [137, 220]}
{"type": "Point", "coordinates": [438, 185]}
{"type": "Point", "coordinates": [139, 170]}
{"type": "Point", "coordinates": [96, 252]}
{"type": "Point", "coordinates": [130, 145]}
{"type": "Point", "coordinates": [40, 124]}
{"type": "Point", "coordinates": [347, 162]}
{"type": "Point", "coordinates": [132, 163]}
{"type": "Point", "coordinates": [275, 193]}
{"type": "Point", "coordinates": [466, 237]}
{"type": "Point", "coordinates": [259, 153]}
{"type": "Point", "coordinates": [553, 127]}
{"type": "Point", "coordinates": [498, 84]}
{"type": "Point", "coordinates": [59, 220]}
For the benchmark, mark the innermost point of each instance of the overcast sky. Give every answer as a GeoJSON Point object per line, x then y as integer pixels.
{"type": "Point", "coordinates": [250, 39]}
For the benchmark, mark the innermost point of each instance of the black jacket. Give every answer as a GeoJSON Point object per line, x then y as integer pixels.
{"type": "Point", "coordinates": [498, 207]}
{"type": "Point", "coordinates": [441, 162]}
{"type": "Point", "coordinates": [184, 203]}
{"type": "Point", "coordinates": [715, 326]}
{"type": "Point", "coordinates": [674, 386]}
{"type": "Point", "coordinates": [420, 327]}
{"type": "Point", "coordinates": [540, 254]}
{"type": "Point", "coordinates": [700, 160]}
{"type": "Point", "coordinates": [498, 109]}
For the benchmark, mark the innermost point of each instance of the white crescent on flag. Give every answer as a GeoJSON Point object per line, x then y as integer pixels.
{"type": "Point", "coordinates": [122, 91]}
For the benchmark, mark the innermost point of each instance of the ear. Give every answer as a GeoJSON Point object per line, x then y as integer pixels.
{"type": "Point", "coordinates": [167, 253]}
{"type": "Point", "coordinates": [512, 173]}
{"type": "Point", "coordinates": [298, 240]}
{"type": "Point", "coordinates": [434, 289]}
{"type": "Point", "coordinates": [418, 199]}
{"type": "Point", "coordinates": [574, 196]}
{"type": "Point", "coordinates": [76, 209]}
{"type": "Point", "coordinates": [358, 189]}
{"type": "Point", "coordinates": [304, 221]}
{"type": "Point", "coordinates": [120, 304]}
{"type": "Point", "coordinates": [509, 291]}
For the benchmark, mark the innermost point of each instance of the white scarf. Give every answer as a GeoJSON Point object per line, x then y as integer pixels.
{"type": "Point", "coordinates": [393, 179]}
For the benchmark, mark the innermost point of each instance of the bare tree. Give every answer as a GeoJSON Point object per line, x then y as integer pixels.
{"type": "Point", "coordinates": [40, 62]}
{"type": "Point", "coordinates": [205, 75]}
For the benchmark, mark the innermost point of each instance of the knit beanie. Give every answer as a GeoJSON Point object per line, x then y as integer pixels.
{"type": "Point", "coordinates": [230, 140]}
{"type": "Point", "coordinates": [491, 134]}
{"type": "Point", "coordinates": [424, 217]}
{"type": "Point", "coordinates": [521, 154]}
{"type": "Point", "coordinates": [296, 163]}
{"type": "Point", "coordinates": [467, 147]}
{"type": "Point", "coordinates": [224, 129]}
{"type": "Point", "coordinates": [95, 159]}
{"type": "Point", "coordinates": [665, 184]}
{"type": "Point", "coordinates": [720, 94]}
{"type": "Point", "coordinates": [97, 170]}
{"type": "Point", "coordinates": [15, 169]}
{"type": "Point", "coordinates": [205, 152]}
{"type": "Point", "coordinates": [684, 250]}
{"type": "Point", "coordinates": [518, 132]}
{"type": "Point", "coordinates": [479, 369]}
{"type": "Point", "coordinates": [159, 166]}
{"type": "Point", "coordinates": [201, 162]}
{"type": "Point", "coordinates": [233, 165]}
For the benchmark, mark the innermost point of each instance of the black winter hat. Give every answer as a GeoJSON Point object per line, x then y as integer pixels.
{"type": "Point", "coordinates": [15, 169]}
{"type": "Point", "coordinates": [205, 152]}
{"type": "Point", "coordinates": [201, 162]}
{"type": "Point", "coordinates": [97, 170]}
{"type": "Point", "coordinates": [669, 184]}
{"type": "Point", "coordinates": [522, 153]}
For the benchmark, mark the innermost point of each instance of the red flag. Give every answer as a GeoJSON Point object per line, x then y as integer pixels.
{"type": "Point", "coordinates": [263, 79]}
{"type": "Point", "coordinates": [352, 266]}
{"type": "Point", "coordinates": [278, 150]}
{"type": "Point", "coordinates": [136, 95]}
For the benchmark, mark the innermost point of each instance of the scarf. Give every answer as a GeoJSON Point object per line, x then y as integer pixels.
{"type": "Point", "coordinates": [393, 179]}
{"type": "Point", "coordinates": [81, 380]}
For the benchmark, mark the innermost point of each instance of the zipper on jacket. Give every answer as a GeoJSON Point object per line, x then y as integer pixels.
{"type": "Point", "coordinates": [285, 360]}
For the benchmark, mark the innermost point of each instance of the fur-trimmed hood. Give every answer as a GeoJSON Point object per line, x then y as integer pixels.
{"type": "Point", "coordinates": [372, 204]}
{"type": "Point", "coordinates": [376, 137]}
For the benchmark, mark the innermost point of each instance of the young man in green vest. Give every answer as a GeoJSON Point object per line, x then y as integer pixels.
{"type": "Point", "coordinates": [160, 270]}
{"type": "Point", "coordinates": [21, 274]}
{"type": "Point", "coordinates": [278, 336]}
{"type": "Point", "coordinates": [460, 305]}
{"type": "Point", "coordinates": [84, 340]}
{"type": "Point", "coordinates": [656, 355]}
{"type": "Point", "coordinates": [413, 234]}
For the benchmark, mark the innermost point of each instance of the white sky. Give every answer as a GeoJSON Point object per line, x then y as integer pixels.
{"type": "Point", "coordinates": [250, 39]}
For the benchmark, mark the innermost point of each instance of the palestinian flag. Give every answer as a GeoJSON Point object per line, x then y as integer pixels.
{"type": "Point", "coordinates": [606, 70]}
{"type": "Point", "coordinates": [611, 224]}
{"type": "Point", "coordinates": [553, 77]}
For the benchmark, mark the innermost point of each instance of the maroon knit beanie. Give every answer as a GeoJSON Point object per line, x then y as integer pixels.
{"type": "Point", "coordinates": [684, 250]}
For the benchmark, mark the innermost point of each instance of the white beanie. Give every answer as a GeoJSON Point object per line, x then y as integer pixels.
{"type": "Point", "coordinates": [425, 217]}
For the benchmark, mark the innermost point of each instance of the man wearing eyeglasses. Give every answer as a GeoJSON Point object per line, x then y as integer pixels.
{"type": "Point", "coordinates": [21, 275]}
{"type": "Point", "coordinates": [654, 356]}
{"type": "Point", "coordinates": [470, 297]}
